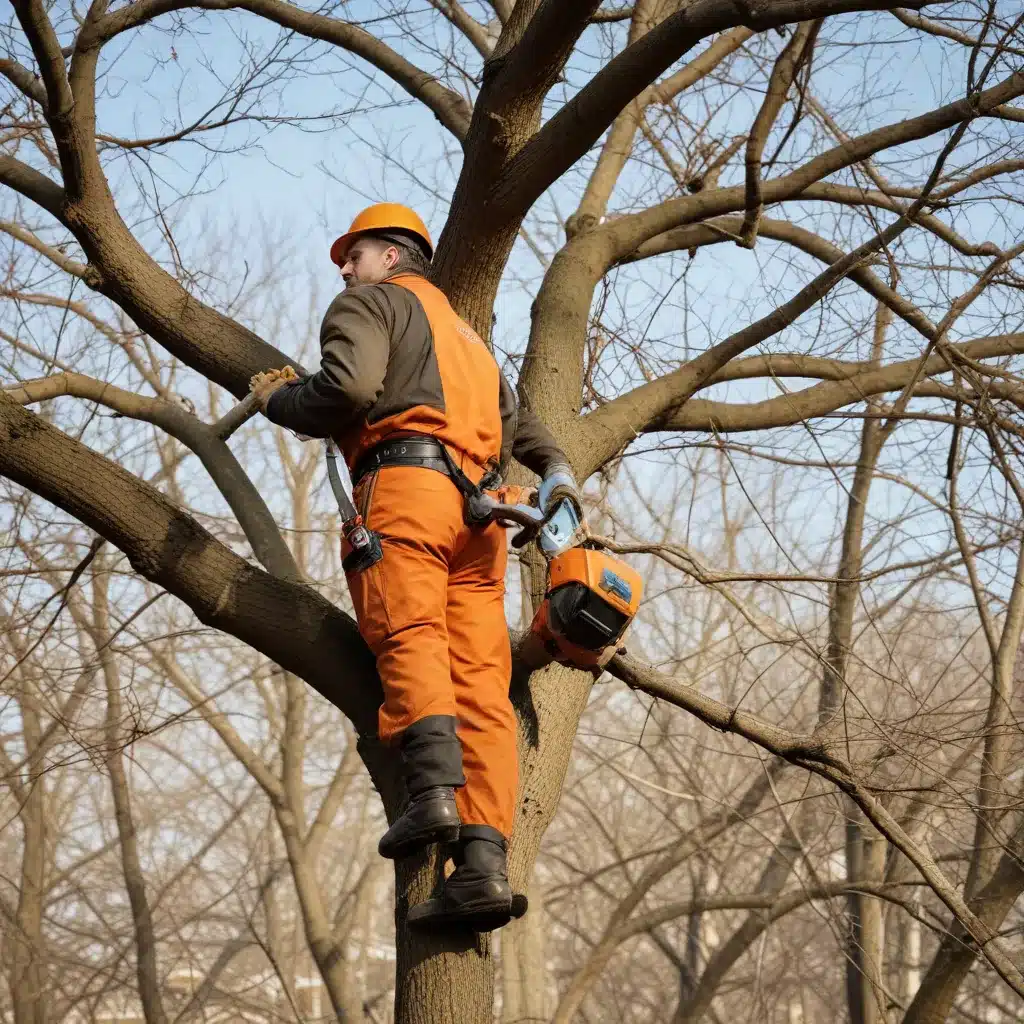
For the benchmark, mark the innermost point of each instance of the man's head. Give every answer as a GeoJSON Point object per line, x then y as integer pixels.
{"type": "Point", "coordinates": [374, 257]}
{"type": "Point", "coordinates": [384, 240]}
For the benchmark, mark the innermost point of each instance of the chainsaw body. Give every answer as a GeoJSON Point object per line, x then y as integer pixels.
{"type": "Point", "coordinates": [590, 601]}
{"type": "Point", "coordinates": [591, 596]}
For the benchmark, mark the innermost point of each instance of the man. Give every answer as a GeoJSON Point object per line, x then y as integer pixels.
{"type": "Point", "coordinates": [401, 374]}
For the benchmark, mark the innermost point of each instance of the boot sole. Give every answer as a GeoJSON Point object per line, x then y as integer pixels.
{"type": "Point", "coordinates": [415, 843]}
{"type": "Point", "coordinates": [480, 916]}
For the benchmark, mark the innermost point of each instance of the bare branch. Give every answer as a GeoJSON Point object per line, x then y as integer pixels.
{"type": "Point", "coordinates": [625, 234]}
{"type": "Point", "coordinates": [794, 55]}
{"type": "Point", "coordinates": [1008, 113]}
{"type": "Point", "coordinates": [575, 128]}
{"type": "Point", "coordinates": [814, 756]}
{"type": "Point", "coordinates": [612, 14]}
{"type": "Point", "coordinates": [167, 547]}
{"type": "Point", "coordinates": [31, 86]}
{"type": "Point", "coordinates": [33, 185]}
{"type": "Point", "coordinates": [447, 106]}
{"type": "Point", "coordinates": [785, 410]}
{"type": "Point", "coordinates": [244, 498]}
{"type": "Point", "coordinates": [47, 50]}
{"type": "Point", "coordinates": [80, 270]}
{"type": "Point", "coordinates": [614, 424]}
{"type": "Point", "coordinates": [466, 24]}
{"type": "Point", "coordinates": [722, 229]}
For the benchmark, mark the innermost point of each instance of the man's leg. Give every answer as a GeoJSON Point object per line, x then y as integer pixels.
{"type": "Point", "coordinates": [477, 894]}
{"type": "Point", "coordinates": [401, 608]}
{"type": "Point", "coordinates": [481, 669]}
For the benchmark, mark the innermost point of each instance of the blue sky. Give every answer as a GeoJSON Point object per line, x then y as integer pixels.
{"type": "Point", "coordinates": [293, 190]}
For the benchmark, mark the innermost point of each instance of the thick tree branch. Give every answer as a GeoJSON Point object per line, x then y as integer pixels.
{"type": "Point", "coordinates": [611, 426]}
{"type": "Point", "coordinates": [612, 14]}
{"type": "Point", "coordinates": [43, 191]}
{"type": "Point", "coordinates": [554, 371]}
{"type": "Point", "coordinates": [1008, 113]}
{"type": "Point", "coordinates": [25, 81]}
{"type": "Point", "coordinates": [168, 547]}
{"type": "Point", "coordinates": [821, 399]}
{"type": "Point", "coordinates": [576, 127]}
{"type": "Point", "coordinates": [447, 106]}
{"type": "Point", "coordinates": [232, 481]}
{"type": "Point", "coordinates": [47, 51]}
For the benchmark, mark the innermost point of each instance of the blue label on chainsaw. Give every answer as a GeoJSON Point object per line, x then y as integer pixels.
{"type": "Point", "coordinates": [616, 585]}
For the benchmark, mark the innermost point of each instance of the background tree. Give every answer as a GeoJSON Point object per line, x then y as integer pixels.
{"type": "Point", "coordinates": [778, 332]}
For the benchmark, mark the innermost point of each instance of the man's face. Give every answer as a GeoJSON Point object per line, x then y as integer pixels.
{"type": "Point", "coordinates": [368, 261]}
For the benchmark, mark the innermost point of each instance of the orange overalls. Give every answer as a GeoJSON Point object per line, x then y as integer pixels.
{"type": "Point", "coordinates": [432, 610]}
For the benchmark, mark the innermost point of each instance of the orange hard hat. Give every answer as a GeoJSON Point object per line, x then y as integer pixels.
{"type": "Point", "coordinates": [382, 217]}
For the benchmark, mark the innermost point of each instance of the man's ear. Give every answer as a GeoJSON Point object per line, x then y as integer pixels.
{"type": "Point", "coordinates": [392, 263]}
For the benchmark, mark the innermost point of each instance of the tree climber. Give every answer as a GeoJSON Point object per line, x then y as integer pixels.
{"type": "Point", "coordinates": [411, 395]}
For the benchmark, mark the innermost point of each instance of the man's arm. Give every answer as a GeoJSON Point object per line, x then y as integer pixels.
{"type": "Point", "coordinates": [355, 341]}
{"type": "Point", "coordinates": [525, 437]}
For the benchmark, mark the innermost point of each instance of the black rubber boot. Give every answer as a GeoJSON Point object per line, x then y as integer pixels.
{"type": "Point", "coordinates": [432, 762]}
{"type": "Point", "coordinates": [476, 895]}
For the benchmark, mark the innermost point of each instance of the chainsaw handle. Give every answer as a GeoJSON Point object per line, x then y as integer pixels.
{"type": "Point", "coordinates": [517, 515]}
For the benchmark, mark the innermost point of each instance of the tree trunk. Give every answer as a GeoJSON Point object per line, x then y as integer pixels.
{"type": "Point", "coordinates": [440, 977]}
{"type": "Point", "coordinates": [146, 971]}
{"type": "Point", "coordinates": [957, 952]}
{"type": "Point", "coordinates": [865, 860]}
{"type": "Point", "coordinates": [27, 971]}
{"type": "Point", "coordinates": [525, 995]}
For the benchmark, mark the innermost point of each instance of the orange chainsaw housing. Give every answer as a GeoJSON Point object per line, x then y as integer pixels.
{"type": "Point", "coordinates": [591, 599]}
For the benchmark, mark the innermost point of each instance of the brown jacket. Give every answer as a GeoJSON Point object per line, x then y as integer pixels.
{"type": "Point", "coordinates": [396, 359]}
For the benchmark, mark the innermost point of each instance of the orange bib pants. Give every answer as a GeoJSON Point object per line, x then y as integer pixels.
{"type": "Point", "coordinates": [433, 612]}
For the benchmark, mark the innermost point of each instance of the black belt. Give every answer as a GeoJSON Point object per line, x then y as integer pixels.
{"type": "Point", "coordinates": [407, 451]}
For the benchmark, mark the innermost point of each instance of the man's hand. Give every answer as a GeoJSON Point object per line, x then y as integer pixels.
{"type": "Point", "coordinates": [559, 483]}
{"type": "Point", "coordinates": [509, 494]}
{"type": "Point", "coordinates": [264, 384]}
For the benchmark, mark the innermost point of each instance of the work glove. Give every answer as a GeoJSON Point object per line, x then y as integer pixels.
{"type": "Point", "coordinates": [266, 383]}
{"type": "Point", "coordinates": [560, 534]}
{"type": "Point", "coordinates": [558, 483]}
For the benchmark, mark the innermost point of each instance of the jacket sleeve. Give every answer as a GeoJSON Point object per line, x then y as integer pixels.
{"type": "Point", "coordinates": [355, 340]}
{"type": "Point", "coordinates": [524, 436]}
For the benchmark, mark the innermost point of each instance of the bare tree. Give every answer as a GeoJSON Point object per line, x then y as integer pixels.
{"type": "Point", "coordinates": [891, 226]}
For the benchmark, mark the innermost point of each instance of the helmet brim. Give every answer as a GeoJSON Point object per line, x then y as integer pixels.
{"type": "Point", "coordinates": [341, 245]}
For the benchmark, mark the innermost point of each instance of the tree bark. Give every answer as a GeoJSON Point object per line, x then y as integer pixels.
{"type": "Point", "coordinates": [524, 966]}
{"type": "Point", "coordinates": [146, 970]}
{"type": "Point", "coordinates": [26, 955]}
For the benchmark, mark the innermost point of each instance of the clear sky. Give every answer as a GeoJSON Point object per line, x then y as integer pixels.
{"type": "Point", "coordinates": [286, 191]}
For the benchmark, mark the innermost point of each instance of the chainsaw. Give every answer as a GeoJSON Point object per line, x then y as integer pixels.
{"type": "Point", "coordinates": [591, 596]}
